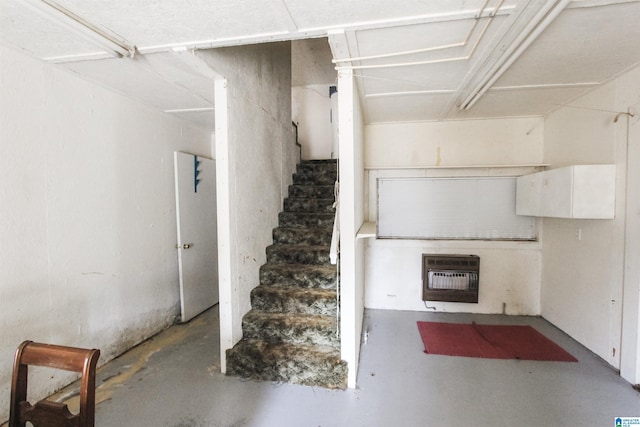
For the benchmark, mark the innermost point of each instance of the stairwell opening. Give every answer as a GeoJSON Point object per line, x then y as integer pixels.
{"type": "Point", "coordinates": [291, 332]}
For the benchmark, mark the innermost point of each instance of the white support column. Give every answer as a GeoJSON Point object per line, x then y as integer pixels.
{"type": "Point", "coordinates": [349, 345]}
{"type": "Point", "coordinates": [351, 218]}
{"type": "Point", "coordinates": [630, 346]}
{"type": "Point", "coordinates": [225, 233]}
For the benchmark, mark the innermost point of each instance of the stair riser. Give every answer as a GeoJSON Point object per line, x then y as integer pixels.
{"type": "Point", "coordinates": [306, 220]}
{"type": "Point", "coordinates": [267, 300]}
{"type": "Point", "coordinates": [327, 168]}
{"type": "Point", "coordinates": [277, 330]}
{"type": "Point", "coordinates": [311, 191]}
{"type": "Point", "coordinates": [301, 236]}
{"type": "Point", "coordinates": [298, 278]}
{"type": "Point", "coordinates": [270, 364]}
{"type": "Point", "coordinates": [294, 372]}
{"type": "Point", "coordinates": [314, 178]}
{"type": "Point", "coordinates": [309, 205]}
{"type": "Point", "coordinates": [301, 255]}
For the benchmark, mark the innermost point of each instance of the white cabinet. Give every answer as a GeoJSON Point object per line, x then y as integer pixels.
{"type": "Point", "coordinates": [580, 191]}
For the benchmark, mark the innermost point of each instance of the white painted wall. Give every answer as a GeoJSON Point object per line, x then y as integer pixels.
{"type": "Point", "coordinates": [87, 215]}
{"type": "Point", "coordinates": [311, 110]}
{"type": "Point", "coordinates": [312, 72]}
{"type": "Point", "coordinates": [454, 143]}
{"type": "Point", "coordinates": [351, 217]}
{"type": "Point", "coordinates": [509, 271]}
{"type": "Point", "coordinates": [256, 160]}
{"type": "Point", "coordinates": [630, 342]}
{"type": "Point", "coordinates": [509, 275]}
{"type": "Point", "coordinates": [589, 266]}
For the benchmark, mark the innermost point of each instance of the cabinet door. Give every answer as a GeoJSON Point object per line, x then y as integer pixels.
{"type": "Point", "coordinates": [580, 191]}
{"type": "Point", "coordinates": [594, 191]}
{"type": "Point", "coordinates": [529, 195]}
{"type": "Point", "coordinates": [557, 187]}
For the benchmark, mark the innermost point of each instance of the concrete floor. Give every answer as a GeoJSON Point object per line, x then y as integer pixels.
{"type": "Point", "coordinates": [174, 380]}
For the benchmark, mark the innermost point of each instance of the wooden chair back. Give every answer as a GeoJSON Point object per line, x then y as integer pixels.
{"type": "Point", "coordinates": [47, 413]}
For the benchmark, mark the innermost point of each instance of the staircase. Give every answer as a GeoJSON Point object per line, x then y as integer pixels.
{"type": "Point", "coordinates": [291, 333]}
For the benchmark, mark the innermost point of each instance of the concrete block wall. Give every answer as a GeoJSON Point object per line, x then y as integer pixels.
{"type": "Point", "coordinates": [258, 155]}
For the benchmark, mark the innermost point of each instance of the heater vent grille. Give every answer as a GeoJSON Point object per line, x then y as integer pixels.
{"type": "Point", "coordinates": [461, 281]}
{"type": "Point", "coordinates": [450, 278]}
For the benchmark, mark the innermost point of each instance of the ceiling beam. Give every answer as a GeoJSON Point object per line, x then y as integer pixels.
{"type": "Point", "coordinates": [524, 27]}
{"type": "Point", "coordinates": [95, 34]}
{"type": "Point", "coordinates": [305, 33]}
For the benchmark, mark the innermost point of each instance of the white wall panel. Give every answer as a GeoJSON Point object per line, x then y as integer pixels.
{"type": "Point", "coordinates": [351, 217]}
{"type": "Point", "coordinates": [451, 208]}
{"type": "Point", "coordinates": [510, 271]}
{"type": "Point", "coordinates": [87, 214]}
{"type": "Point", "coordinates": [583, 260]}
{"type": "Point", "coordinates": [311, 110]}
{"type": "Point", "coordinates": [509, 275]}
{"type": "Point", "coordinates": [454, 143]}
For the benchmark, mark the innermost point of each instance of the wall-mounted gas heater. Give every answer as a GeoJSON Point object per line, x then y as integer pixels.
{"type": "Point", "coordinates": [450, 277]}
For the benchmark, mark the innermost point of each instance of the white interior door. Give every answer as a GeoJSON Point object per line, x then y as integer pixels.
{"type": "Point", "coordinates": [197, 233]}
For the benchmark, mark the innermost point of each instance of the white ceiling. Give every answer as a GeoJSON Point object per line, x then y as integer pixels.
{"type": "Point", "coordinates": [586, 43]}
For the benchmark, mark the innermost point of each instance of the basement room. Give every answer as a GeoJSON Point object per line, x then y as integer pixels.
{"type": "Point", "coordinates": [296, 213]}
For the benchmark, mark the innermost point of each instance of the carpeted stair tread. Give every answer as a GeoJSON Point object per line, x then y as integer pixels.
{"type": "Point", "coordinates": [314, 178]}
{"type": "Point", "coordinates": [296, 254]}
{"type": "Point", "coordinates": [299, 275]}
{"type": "Point", "coordinates": [294, 300]}
{"type": "Point", "coordinates": [302, 236]}
{"type": "Point", "coordinates": [306, 220]}
{"type": "Point", "coordinates": [312, 166]}
{"type": "Point", "coordinates": [299, 364]}
{"type": "Point", "coordinates": [292, 204]}
{"type": "Point", "coordinates": [311, 191]}
{"type": "Point", "coordinates": [290, 327]}
{"type": "Point", "coordinates": [324, 176]}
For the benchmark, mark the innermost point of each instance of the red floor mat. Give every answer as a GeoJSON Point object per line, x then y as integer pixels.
{"type": "Point", "coordinates": [490, 341]}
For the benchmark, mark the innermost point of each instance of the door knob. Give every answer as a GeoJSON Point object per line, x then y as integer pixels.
{"type": "Point", "coordinates": [185, 246]}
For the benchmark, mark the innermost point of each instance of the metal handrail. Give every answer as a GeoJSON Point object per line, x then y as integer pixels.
{"type": "Point", "coordinates": [295, 125]}
{"type": "Point", "coordinates": [334, 251]}
{"type": "Point", "coordinates": [335, 236]}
